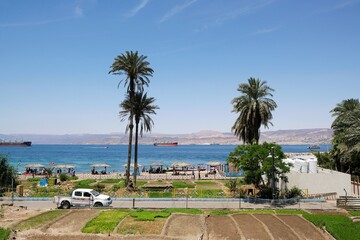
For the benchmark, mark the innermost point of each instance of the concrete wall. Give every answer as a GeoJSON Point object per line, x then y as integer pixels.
{"type": "Point", "coordinates": [325, 181]}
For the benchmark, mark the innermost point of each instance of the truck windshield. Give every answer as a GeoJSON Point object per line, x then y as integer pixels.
{"type": "Point", "coordinates": [95, 193]}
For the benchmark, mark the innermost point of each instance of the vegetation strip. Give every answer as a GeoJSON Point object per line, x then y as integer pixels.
{"type": "Point", "coordinates": [39, 220]}
{"type": "Point", "coordinates": [105, 222]}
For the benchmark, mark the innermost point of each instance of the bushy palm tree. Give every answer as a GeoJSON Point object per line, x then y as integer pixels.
{"type": "Point", "coordinates": [254, 106]}
{"type": "Point", "coordinates": [137, 72]}
{"type": "Point", "coordinates": [141, 107]}
{"type": "Point", "coordinates": [346, 140]}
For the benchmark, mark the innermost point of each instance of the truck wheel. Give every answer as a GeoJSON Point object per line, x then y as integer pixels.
{"type": "Point", "coordinates": [98, 204]}
{"type": "Point", "coordinates": [65, 205]}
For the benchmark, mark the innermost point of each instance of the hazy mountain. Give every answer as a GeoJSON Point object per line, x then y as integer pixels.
{"type": "Point", "coordinates": [299, 136]}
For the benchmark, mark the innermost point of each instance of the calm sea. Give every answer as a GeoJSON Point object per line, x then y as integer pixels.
{"type": "Point", "coordinates": [82, 156]}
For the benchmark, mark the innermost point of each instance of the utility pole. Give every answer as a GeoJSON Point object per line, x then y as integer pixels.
{"type": "Point", "coordinates": [273, 175]}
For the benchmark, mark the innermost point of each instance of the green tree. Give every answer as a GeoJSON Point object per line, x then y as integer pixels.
{"type": "Point", "coordinates": [255, 107]}
{"type": "Point", "coordinates": [141, 107]}
{"type": "Point", "coordinates": [137, 72]}
{"type": "Point", "coordinates": [256, 160]}
{"type": "Point", "coordinates": [346, 139]}
{"type": "Point", "coordinates": [7, 175]}
{"type": "Point", "coordinates": [325, 160]}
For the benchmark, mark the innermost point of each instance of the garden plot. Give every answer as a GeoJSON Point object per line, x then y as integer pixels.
{"type": "Point", "coordinates": [251, 227]}
{"type": "Point", "coordinates": [73, 222]}
{"type": "Point", "coordinates": [302, 227]}
{"type": "Point", "coordinates": [221, 227]}
{"type": "Point", "coordinates": [184, 225]}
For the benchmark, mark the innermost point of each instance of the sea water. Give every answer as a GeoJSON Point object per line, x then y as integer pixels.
{"type": "Point", "coordinates": [83, 156]}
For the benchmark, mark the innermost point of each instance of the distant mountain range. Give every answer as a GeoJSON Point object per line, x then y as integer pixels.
{"type": "Point", "coordinates": [299, 136]}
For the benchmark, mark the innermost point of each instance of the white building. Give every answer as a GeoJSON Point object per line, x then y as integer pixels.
{"type": "Point", "coordinates": [306, 175]}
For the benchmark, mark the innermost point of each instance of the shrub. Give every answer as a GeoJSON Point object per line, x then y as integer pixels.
{"type": "Point", "coordinates": [99, 187]}
{"type": "Point", "coordinates": [232, 184]}
{"type": "Point", "coordinates": [294, 192]}
{"type": "Point", "coordinates": [4, 233]}
{"type": "Point", "coordinates": [84, 183]}
{"type": "Point", "coordinates": [63, 177]}
{"type": "Point", "coordinates": [182, 185]}
{"type": "Point", "coordinates": [266, 192]}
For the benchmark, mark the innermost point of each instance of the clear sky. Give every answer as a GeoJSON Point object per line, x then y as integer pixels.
{"type": "Point", "coordinates": [55, 57]}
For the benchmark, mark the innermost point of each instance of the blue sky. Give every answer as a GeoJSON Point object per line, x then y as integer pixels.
{"type": "Point", "coordinates": [55, 57]}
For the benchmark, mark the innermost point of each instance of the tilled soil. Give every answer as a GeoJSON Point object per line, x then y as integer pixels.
{"type": "Point", "coordinates": [251, 227]}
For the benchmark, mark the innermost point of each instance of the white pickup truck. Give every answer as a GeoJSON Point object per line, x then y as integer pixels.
{"type": "Point", "coordinates": [83, 197]}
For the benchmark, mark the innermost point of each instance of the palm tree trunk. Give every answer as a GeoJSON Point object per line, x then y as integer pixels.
{"type": "Point", "coordinates": [136, 152]}
{"type": "Point", "coordinates": [131, 126]}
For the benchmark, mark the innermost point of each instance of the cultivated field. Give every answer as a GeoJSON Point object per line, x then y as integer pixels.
{"type": "Point", "coordinates": [71, 223]}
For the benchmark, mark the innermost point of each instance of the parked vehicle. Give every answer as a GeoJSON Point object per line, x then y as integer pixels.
{"type": "Point", "coordinates": [82, 197]}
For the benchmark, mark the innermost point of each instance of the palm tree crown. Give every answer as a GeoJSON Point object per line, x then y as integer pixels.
{"type": "Point", "coordinates": [255, 109]}
{"type": "Point", "coordinates": [141, 107]}
{"type": "Point", "coordinates": [136, 69]}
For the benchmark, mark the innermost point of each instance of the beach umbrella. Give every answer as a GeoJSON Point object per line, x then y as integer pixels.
{"type": "Point", "coordinates": [131, 165]}
{"type": "Point", "coordinates": [63, 166]}
{"type": "Point", "coordinates": [154, 164]}
{"type": "Point", "coordinates": [35, 165]}
{"type": "Point", "coordinates": [213, 163]}
{"type": "Point", "coordinates": [100, 165]}
{"type": "Point", "coordinates": [179, 164]}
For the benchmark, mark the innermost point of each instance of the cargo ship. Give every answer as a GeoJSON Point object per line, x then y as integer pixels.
{"type": "Point", "coordinates": [166, 144]}
{"type": "Point", "coordinates": [24, 144]}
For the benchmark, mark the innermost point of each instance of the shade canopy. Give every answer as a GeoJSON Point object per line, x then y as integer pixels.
{"type": "Point", "coordinates": [100, 165]}
{"type": "Point", "coordinates": [131, 165]}
{"type": "Point", "coordinates": [179, 164]}
{"type": "Point", "coordinates": [157, 164]}
{"type": "Point", "coordinates": [63, 166]}
{"type": "Point", "coordinates": [35, 165]}
{"type": "Point", "coordinates": [213, 163]}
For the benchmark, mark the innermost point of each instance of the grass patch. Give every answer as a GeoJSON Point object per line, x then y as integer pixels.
{"type": "Point", "coordinates": [182, 185]}
{"type": "Point", "coordinates": [341, 227]}
{"type": "Point", "coordinates": [105, 222]}
{"type": "Point", "coordinates": [4, 233]}
{"type": "Point", "coordinates": [84, 183]}
{"type": "Point", "coordinates": [205, 183]}
{"type": "Point", "coordinates": [129, 226]}
{"type": "Point", "coordinates": [35, 179]}
{"type": "Point", "coordinates": [207, 193]}
{"type": "Point", "coordinates": [159, 194]}
{"type": "Point", "coordinates": [110, 180]}
{"type": "Point", "coordinates": [244, 211]}
{"type": "Point", "coordinates": [146, 215]}
{"type": "Point", "coordinates": [47, 192]}
{"type": "Point", "coordinates": [289, 211]}
{"type": "Point", "coordinates": [184, 210]}
{"type": "Point", "coordinates": [140, 183]}
{"type": "Point", "coordinates": [39, 220]}
{"type": "Point", "coordinates": [355, 213]}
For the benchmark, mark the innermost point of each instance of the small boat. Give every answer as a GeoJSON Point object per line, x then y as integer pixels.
{"type": "Point", "coordinates": [166, 144]}
{"type": "Point", "coordinates": [24, 144]}
{"type": "Point", "coordinates": [314, 146]}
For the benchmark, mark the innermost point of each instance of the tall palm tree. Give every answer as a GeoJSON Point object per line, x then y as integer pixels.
{"type": "Point", "coordinates": [137, 72]}
{"type": "Point", "coordinates": [346, 140]}
{"type": "Point", "coordinates": [141, 108]}
{"type": "Point", "coordinates": [255, 109]}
